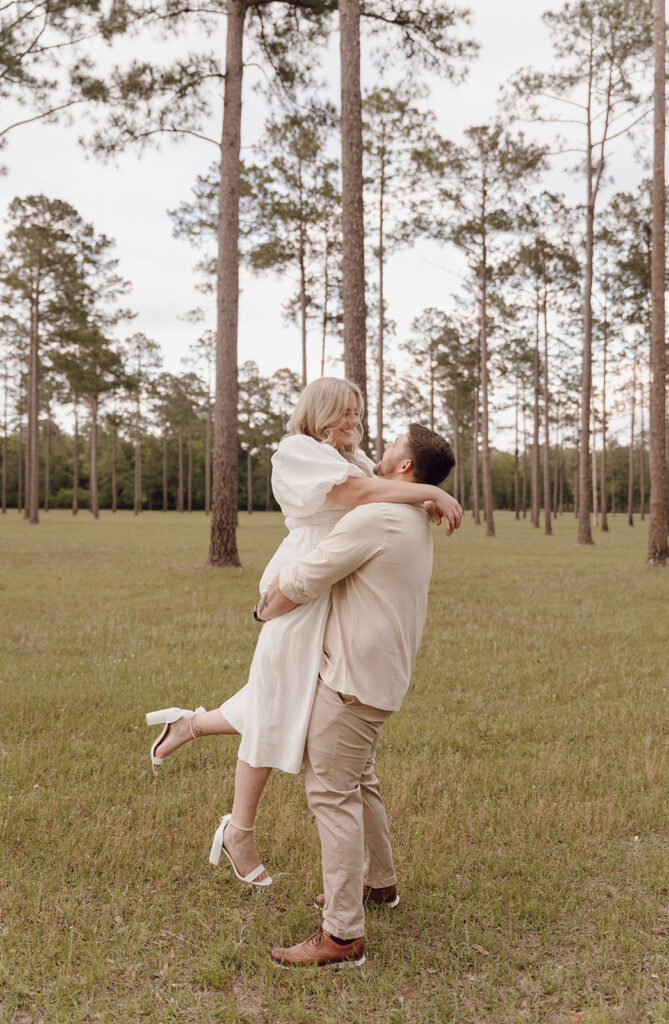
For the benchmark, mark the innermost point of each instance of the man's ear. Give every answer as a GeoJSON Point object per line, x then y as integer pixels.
{"type": "Point", "coordinates": [406, 466]}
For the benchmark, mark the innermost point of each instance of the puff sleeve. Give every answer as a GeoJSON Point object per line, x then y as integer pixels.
{"type": "Point", "coordinates": [304, 471]}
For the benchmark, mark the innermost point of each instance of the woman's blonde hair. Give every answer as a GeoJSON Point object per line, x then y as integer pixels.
{"type": "Point", "coordinates": [320, 405]}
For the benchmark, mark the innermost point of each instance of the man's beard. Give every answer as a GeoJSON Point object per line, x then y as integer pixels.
{"type": "Point", "coordinates": [386, 466]}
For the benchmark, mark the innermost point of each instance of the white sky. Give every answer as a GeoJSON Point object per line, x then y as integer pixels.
{"type": "Point", "coordinates": [128, 200]}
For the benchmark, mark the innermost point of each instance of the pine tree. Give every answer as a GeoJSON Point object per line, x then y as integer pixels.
{"type": "Point", "coordinates": [486, 176]}
{"type": "Point", "coordinates": [600, 47]}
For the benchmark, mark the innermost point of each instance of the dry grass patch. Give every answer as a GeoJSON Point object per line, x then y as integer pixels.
{"type": "Point", "coordinates": [525, 778]}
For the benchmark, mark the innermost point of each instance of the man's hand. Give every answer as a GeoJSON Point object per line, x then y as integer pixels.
{"type": "Point", "coordinates": [450, 510]}
{"type": "Point", "coordinates": [273, 603]}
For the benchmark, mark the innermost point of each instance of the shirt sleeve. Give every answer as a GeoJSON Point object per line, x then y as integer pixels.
{"type": "Point", "coordinates": [304, 471]}
{"type": "Point", "coordinates": [358, 537]}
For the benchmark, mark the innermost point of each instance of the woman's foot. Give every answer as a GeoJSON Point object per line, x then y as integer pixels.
{"type": "Point", "coordinates": [238, 845]}
{"type": "Point", "coordinates": [241, 847]}
{"type": "Point", "coordinates": [178, 728]}
{"type": "Point", "coordinates": [177, 734]}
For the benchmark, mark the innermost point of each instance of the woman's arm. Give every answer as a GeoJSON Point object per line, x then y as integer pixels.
{"type": "Point", "coordinates": [366, 490]}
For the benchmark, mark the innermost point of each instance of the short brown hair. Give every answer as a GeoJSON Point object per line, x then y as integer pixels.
{"type": "Point", "coordinates": [431, 454]}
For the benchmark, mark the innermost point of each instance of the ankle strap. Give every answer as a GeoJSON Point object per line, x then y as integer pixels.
{"type": "Point", "coordinates": [241, 827]}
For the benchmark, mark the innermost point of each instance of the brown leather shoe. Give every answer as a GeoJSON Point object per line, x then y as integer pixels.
{"type": "Point", "coordinates": [380, 897]}
{"type": "Point", "coordinates": [321, 949]}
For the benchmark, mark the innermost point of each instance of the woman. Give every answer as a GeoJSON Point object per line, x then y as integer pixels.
{"type": "Point", "coordinates": [318, 474]}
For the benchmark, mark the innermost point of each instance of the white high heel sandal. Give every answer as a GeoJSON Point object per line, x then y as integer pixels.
{"type": "Point", "coordinates": [167, 717]}
{"type": "Point", "coordinates": [217, 848]}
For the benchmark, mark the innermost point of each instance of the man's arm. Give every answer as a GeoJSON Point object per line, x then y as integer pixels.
{"type": "Point", "coordinates": [356, 538]}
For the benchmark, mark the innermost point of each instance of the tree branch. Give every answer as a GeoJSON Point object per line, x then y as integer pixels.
{"type": "Point", "coordinates": [176, 131]}
{"type": "Point", "coordinates": [38, 117]}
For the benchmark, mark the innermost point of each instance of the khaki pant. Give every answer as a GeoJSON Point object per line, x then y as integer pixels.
{"type": "Point", "coordinates": [345, 798]}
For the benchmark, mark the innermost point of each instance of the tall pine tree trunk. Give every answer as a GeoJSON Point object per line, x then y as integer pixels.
{"type": "Point", "coordinates": [207, 461]}
{"type": "Point", "coordinates": [47, 456]}
{"type": "Point", "coordinates": [75, 462]}
{"type": "Point", "coordinates": [584, 530]}
{"type": "Point", "coordinates": [516, 490]}
{"type": "Point", "coordinates": [114, 469]}
{"type": "Point", "coordinates": [658, 547]}
{"type": "Point", "coordinates": [576, 478]}
{"type": "Point", "coordinates": [303, 287]}
{"type": "Point", "coordinates": [268, 480]}
{"type": "Point", "coordinates": [137, 495]}
{"type": "Point", "coordinates": [431, 390]}
{"type": "Point", "coordinates": [190, 463]}
{"type": "Point", "coordinates": [165, 468]}
{"type": "Point", "coordinates": [630, 470]}
{"type": "Point", "coordinates": [535, 424]}
{"type": "Point", "coordinates": [380, 356]}
{"type": "Point", "coordinates": [223, 537]}
{"type": "Point", "coordinates": [605, 524]}
{"type": "Point", "coordinates": [180, 485]}
{"type": "Point", "coordinates": [457, 494]}
{"type": "Point", "coordinates": [547, 449]}
{"type": "Point", "coordinates": [27, 462]}
{"type": "Point", "coordinates": [93, 482]}
{"type": "Point", "coordinates": [475, 460]}
{"type": "Point", "coordinates": [462, 498]}
{"type": "Point", "coordinates": [485, 428]}
{"type": "Point", "coordinates": [3, 486]}
{"type": "Point", "coordinates": [326, 295]}
{"type": "Point", "coordinates": [524, 455]}
{"type": "Point", "coordinates": [594, 465]}
{"type": "Point", "coordinates": [249, 480]}
{"type": "Point", "coordinates": [19, 472]}
{"type": "Point", "coordinates": [642, 468]}
{"type": "Point", "coordinates": [353, 250]}
{"type": "Point", "coordinates": [32, 470]}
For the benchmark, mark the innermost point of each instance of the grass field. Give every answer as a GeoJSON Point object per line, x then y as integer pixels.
{"type": "Point", "coordinates": [525, 779]}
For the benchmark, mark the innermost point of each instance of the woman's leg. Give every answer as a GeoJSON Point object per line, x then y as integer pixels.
{"type": "Point", "coordinates": [249, 785]}
{"type": "Point", "coordinates": [206, 723]}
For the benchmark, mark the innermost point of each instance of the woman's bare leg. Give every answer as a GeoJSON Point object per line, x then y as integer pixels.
{"type": "Point", "coordinates": [249, 785]}
{"type": "Point", "coordinates": [207, 723]}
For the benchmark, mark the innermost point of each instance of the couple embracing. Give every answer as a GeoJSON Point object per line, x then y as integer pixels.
{"type": "Point", "coordinates": [343, 605]}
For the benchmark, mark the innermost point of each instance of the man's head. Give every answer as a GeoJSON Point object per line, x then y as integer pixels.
{"type": "Point", "coordinates": [419, 456]}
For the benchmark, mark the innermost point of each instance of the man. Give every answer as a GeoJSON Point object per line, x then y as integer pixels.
{"type": "Point", "coordinates": [378, 562]}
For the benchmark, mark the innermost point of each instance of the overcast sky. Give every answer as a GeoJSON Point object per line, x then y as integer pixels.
{"type": "Point", "coordinates": [128, 200]}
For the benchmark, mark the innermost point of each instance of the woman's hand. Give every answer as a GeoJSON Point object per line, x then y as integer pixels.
{"type": "Point", "coordinates": [449, 509]}
{"type": "Point", "coordinates": [433, 513]}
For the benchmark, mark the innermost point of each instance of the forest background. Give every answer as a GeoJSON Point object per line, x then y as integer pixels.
{"type": "Point", "coordinates": [126, 394]}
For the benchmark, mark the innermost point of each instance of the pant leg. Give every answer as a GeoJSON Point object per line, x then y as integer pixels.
{"type": "Point", "coordinates": [379, 870]}
{"type": "Point", "coordinates": [340, 741]}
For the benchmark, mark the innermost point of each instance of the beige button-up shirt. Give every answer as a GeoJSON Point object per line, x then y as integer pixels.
{"type": "Point", "coordinates": [378, 561]}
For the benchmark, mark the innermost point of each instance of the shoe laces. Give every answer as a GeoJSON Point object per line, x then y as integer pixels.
{"type": "Point", "coordinates": [316, 938]}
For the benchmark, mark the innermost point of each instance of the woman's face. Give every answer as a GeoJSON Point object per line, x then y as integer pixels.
{"type": "Point", "coordinates": [342, 429]}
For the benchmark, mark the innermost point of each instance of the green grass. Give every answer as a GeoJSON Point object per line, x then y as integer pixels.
{"type": "Point", "coordinates": [525, 780]}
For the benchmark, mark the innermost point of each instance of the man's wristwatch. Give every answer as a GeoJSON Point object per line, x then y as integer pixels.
{"type": "Point", "coordinates": [255, 614]}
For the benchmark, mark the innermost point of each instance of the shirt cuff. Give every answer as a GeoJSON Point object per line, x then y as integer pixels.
{"type": "Point", "coordinates": [291, 588]}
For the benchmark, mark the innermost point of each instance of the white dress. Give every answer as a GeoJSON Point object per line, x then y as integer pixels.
{"type": "Point", "coordinates": [272, 711]}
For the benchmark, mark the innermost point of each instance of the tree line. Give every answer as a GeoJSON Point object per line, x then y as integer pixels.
{"type": "Point", "coordinates": [560, 317]}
